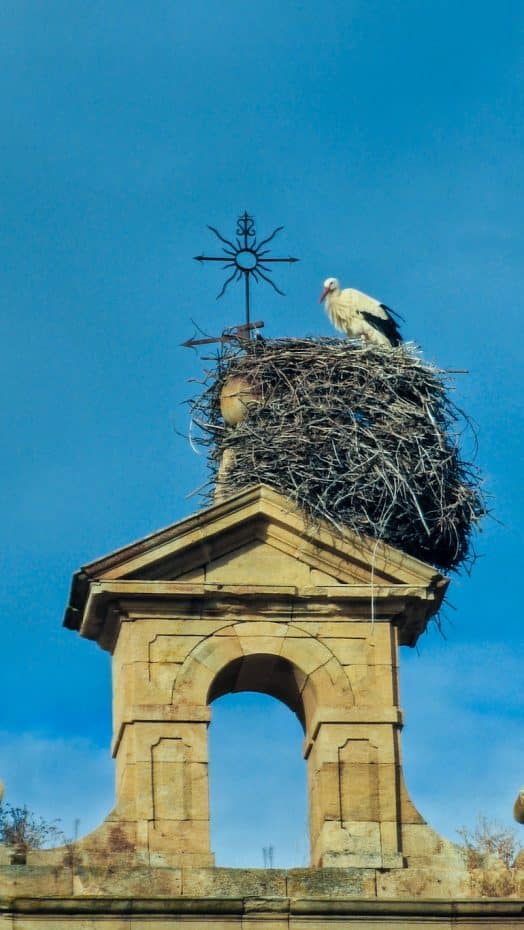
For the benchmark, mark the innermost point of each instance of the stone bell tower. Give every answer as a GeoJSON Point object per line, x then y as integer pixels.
{"type": "Point", "coordinates": [246, 595]}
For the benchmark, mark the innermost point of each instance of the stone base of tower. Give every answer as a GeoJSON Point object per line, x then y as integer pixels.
{"type": "Point", "coordinates": [62, 890]}
{"type": "Point", "coordinates": [111, 864]}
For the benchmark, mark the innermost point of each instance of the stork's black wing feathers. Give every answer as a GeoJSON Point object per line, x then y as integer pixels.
{"type": "Point", "coordinates": [388, 326]}
{"type": "Point", "coordinates": [392, 312]}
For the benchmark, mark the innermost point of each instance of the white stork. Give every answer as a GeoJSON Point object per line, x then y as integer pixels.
{"type": "Point", "coordinates": [356, 314]}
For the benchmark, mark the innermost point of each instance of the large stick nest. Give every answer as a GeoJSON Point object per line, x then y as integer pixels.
{"type": "Point", "coordinates": [361, 436]}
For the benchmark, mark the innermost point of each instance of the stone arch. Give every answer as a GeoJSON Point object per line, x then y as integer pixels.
{"type": "Point", "coordinates": [276, 658]}
{"type": "Point", "coordinates": [264, 673]}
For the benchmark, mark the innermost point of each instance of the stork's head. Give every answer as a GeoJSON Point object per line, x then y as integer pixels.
{"type": "Point", "coordinates": [330, 285]}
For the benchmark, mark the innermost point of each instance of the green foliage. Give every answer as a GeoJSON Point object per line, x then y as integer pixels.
{"type": "Point", "coordinates": [20, 827]}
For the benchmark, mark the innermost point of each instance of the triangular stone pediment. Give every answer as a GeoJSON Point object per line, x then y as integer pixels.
{"type": "Point", "coordinates": [256, 537]}
{"type": "Point", "coordinates": [258, 524]}
{"type": "Point", "coordinates": [259, 563]}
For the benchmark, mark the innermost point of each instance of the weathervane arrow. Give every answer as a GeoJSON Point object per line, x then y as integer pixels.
{"type": "Point", "coordinates": [234, 334]}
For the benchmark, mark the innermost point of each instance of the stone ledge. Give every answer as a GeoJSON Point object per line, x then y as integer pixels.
{"type": "Point", "coordinates": [429, 907]}
{"type": "Point", "coordinates": [477, 908]}
{"type": "Point", "coordinates": [111, 905]}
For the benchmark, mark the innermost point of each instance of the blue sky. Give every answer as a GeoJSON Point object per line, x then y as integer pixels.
{"type": "Point", "coordinates": [387, 138]}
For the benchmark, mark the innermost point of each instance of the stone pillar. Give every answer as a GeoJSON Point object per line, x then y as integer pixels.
{"type": "Point", "coordinates": [353, 755]}
{"type": "Point", "coordinates": [354, 795]}
{"type": "Point", "coordinates": [160, 748]}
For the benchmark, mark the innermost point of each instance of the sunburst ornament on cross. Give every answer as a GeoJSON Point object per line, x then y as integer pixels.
{"type": "Point", "coordinates": [246, 258]}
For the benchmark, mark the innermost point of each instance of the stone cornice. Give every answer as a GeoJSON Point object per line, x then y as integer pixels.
{"type": "Point", "coordinates": [409, 605]}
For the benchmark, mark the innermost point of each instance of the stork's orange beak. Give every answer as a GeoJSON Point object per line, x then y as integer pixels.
{"type": "Point", "coordinates": [324, 294]}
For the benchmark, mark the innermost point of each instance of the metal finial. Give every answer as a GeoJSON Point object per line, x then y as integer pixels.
{"type": "Point", "coordinates": [246, 257]}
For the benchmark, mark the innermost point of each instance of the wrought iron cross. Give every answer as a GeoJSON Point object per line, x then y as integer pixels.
{"type": "Point", "coordinates": [247, 258]}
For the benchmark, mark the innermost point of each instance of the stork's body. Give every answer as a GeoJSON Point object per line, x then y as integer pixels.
{"type": "Point", "coordinates": [356, 314]}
